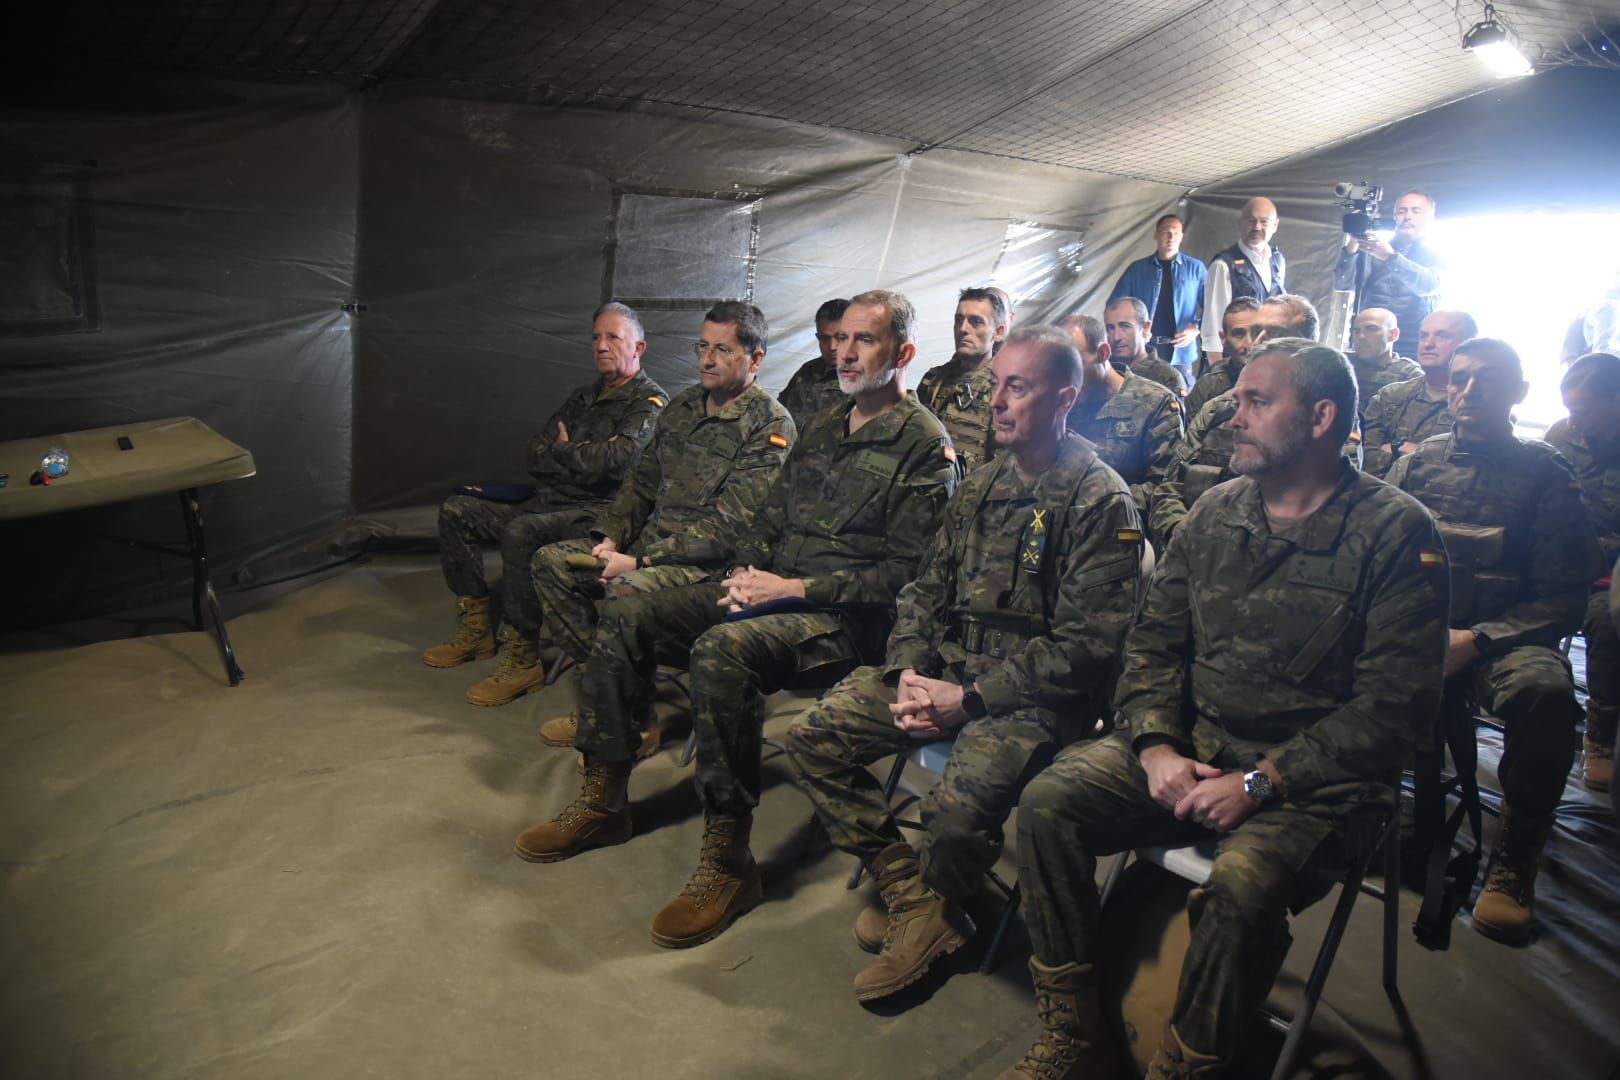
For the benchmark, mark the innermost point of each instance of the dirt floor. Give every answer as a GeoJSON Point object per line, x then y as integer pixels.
{"type": "Point", "coordinates": [312, 875]}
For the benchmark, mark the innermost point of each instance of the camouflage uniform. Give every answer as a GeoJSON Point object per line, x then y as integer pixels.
{"type": "Point", "coordinates": [850, 514]}
{"type": "Point", "coordinates": [607, 427]}
{"type": "Point", "coordinates": [813, 388]}
{"type": "Point", "coordinates": [693, 492]}
{"type": "Point", "coordinates": [1372, 376]}
{"type": "Point", "coordinates": [1136, 432]}
{"type": "Point", "coordinates": [1149, 366]}
{"type": "Point", "coordinates": [1403, 412]}
{"type": "Point", "coordinates": [1317, 644]}
{"type": "Point", "coordinates": [961, 400]}
{"type": "Point", "coordinates": [1597, 468]}
{"type": "Point", "coordinates": [1523, 557]}
{"type": "Point", "coordinates": [1211, 385]}
{"type": "Point", "coordinates": [1027, 592]}
{"type": "Point", "coordinates": [1203, 460]}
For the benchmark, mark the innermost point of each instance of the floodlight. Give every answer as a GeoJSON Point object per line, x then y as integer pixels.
{"type": "Point", "coordinates": [1490, 41]}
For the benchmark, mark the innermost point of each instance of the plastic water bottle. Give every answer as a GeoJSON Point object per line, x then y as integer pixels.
{"type": "Point", "coordinates": [54, 464]}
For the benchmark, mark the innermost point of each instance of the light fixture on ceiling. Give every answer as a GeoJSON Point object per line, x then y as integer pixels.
{"type": "Point", "coordinates": [1490, 41]}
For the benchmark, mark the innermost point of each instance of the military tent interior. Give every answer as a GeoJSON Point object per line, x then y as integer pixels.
{"type": "Point", "coordinates": [362, 239]}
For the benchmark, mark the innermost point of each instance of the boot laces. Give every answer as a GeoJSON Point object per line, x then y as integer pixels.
{"type": "Point", "coordinates": [590, 793]}
{"type": "Point", "coordinates": [515, 660]}
{"type": "Point", "coordinates": [705, 880]}
{"type": "Point", "coordinates": [1058, 1047]}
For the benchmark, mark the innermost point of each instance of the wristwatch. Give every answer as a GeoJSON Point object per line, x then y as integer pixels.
{"type": "Point", "coordinates": [972, 703]}
{"type": "Point", "coordinates": [1258, 786]}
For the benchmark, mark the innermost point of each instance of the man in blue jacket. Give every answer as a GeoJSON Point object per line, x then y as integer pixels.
{"type": "Point", "coordinates": [1172, 286]}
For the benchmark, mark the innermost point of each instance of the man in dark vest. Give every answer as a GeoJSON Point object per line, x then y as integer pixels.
{"type": "Point", "coordinates": [1250, 267]}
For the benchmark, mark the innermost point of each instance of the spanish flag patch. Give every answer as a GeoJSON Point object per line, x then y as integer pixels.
{"type": "Point", "coordinates": [1129, 536]}
{"type": "Point", "coordinates": [1175, 406]}
{"type": "Point", "coordinates": [950, 453]}
{"type": "Point", "coordinates": [656, 400]}
{"type": "Point", "coordinates": [779, 441]}
{"type": "Point", "coordinates": [1355, 436]}
{"type": "Point", "coordinates": [1431, 557]}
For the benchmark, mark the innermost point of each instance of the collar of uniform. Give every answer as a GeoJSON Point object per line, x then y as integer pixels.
{"type": "Point", "coordinates": [1490, 450]}
{"type": "Point", "coordinates": [733, 408]}
{"type": "Point", "coordinates": [1318, 532]}
{"type": "Point", "coordinates": [882, 429]}
{"type": "Point", "coordinates": [631, 387]}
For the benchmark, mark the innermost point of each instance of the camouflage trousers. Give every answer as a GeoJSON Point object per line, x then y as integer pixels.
{"type": "Point", "coordinates": [962, 816]}
{"type": "Point", "coordinates": [1094, 801]}
{"type": "Point", "coordinates": [1602, 670]}
{"type": "Point", "coordinates": [568, 597]}
{"type": "Point", "coordinates": [467, 525]}
{"type": "Point", "coordinates": [1530, 689]}
{"type": "Point", "coordinates": [732, 664]}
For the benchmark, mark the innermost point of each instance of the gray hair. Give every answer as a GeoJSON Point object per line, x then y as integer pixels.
{"type": "Point", "coordinates": [902, 316]}
{"type": "Point", "coordinates": [625, 312]}
{"type": "Point", "coordinates": [1318, 373]}
{"type": "Point", "coordinates": [1301, 314]}
{"type": "Point", "coordinates": [1056, 349]}
{"type": "Point", "coordinates": [1137, 307]}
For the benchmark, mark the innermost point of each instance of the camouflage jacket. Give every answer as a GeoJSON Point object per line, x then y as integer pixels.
{"type": "Point", "coordinates": [701, 479]}
{"type": "Point", "coordinates": [812, 388]}
{"type": "Point", "coordinates": [1211, 385]}
{"type": "Point", "coordinates": [1136, 432]}
{"type": "Point", "coordinates": [1403, 412]}
{"type": "Point", "coordinates": [1028, 587]}
{"type": "Point", "coordinates": [1372, 377]}
{"type": "Point", "coordinates": [607, 428]}
{"type": "Point", "coordinates": [961, 400]}
{"type": "Point", "coordinates": [853, 513]}
{"type": "Point", "coordinates": [1203, 460]}
{"type": "Point", "coordinates": [1597, 467]}
{"type": "Point", "coordinates": [1318, 644]}
{"type": "Point", "coordinates": [1523, 553]}
{"type": "Point", "coordinates": [1149, 366]}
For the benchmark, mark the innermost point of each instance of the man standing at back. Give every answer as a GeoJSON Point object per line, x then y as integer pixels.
{"type": "Point", "coordinates": [1403, 414]}
{"type": "Point", "coordinates": [1171, 284]}
{"type": "Point", "coordinates": [577, 461]}
{"type": "Point", "coordinates": [1250, 267]}
{"type": "Point", "coordinates": [815, 385]}
{"type": "Point", "coordinates": [1400, 274]}
{"type": "Point", "coordinates": [958, 391]}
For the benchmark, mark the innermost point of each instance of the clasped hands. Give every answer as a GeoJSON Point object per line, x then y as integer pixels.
{"type": "Point", "coordinates": [1195, 791]}
{"type": "Point", "coordinates": [927, 708]}
{"type": "Point", "coordinates": [748, 587]}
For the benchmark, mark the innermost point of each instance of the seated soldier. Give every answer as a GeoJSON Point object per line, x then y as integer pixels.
{"type": "Point", "coordinates": [813, 588]}
{"type": "Point", "coordinates": [814, 386]}
{"type": "Point", "coordinates": [1373, 335]}
{"type": "Point", "coordinates": [1236, 340]}
{"type": "Point", "coordinates": [1134, 423]}
{"type": "Point", "coordinates": [1289, 652]}
{"type": "Point", "coordinates": [1403, 414]}
{"type": "Point", "coordinates": [1006, 640]}
{"type": "Point", "coordinates": [958, 391]}
{"type": "Point", "coordinates": [1523, 558]}
{"type": "Point", "coordinates": [1589, 439]}
{"type": "Point", "coordinates": [577, 461]}
{"type": "Point", "coordinates": [1130, 339]}
{"type": "Point", "coordinates": [714, 454]}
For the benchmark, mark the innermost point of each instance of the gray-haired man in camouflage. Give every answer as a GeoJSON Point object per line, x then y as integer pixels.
{"type": "Point", "coordinates": [840, 532]}
{"type": "Point", "coordinates": [1289, 652]}
{"type": "Point", "coordinates": [1006, 640]}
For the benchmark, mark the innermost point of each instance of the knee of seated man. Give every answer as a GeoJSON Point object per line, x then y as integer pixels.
{"type": "Point", "coordinates": [1539, 691]}
{"type": "Point", "coordinates": [456, 507]}
{"type": "Point", "coordinates": [1245, 884]}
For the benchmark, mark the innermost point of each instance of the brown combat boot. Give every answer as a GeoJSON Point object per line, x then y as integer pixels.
{"type": "Point", "coordinates": [870, 926]}
{"type": "Point", "coordinates": [519, 671]}
{"type": "Point", "coordinates": [597, 818]}
{"type": "Point", "coordinates": [1597, 765]}
{"type": "Point", "coordinates": [473, 639]}
{"type": "Point", "coordinates": [724, 886]}
{"type": "Point", "coordinates": [922, 926]}
{"type": "Point", "coordinates": [1505, 909]}
{"type": "Point", "coordinates": [1175, 1060]}
{"type": "Point", "coordinates": [1076, 1042]}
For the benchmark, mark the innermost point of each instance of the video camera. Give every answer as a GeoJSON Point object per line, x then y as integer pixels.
{"type": "Point", "coordinates": [1362, 202]}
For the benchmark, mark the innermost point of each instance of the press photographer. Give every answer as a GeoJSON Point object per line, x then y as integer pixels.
{"type": "Point", "coordinates": [1402, 273]}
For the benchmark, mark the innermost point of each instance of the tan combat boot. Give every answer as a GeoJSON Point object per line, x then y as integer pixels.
{"type": "Point", "coordinates": [473, 639]}
{"type": "Point", "coordinates": [1175, 1060]}
{"type": "Point", "coordinates": [597, 818]}
{"type": "Point", "coordinates": [1076, 1042]}
{"type": "Point", "coordinates": [1597, 765]}
{"type": "Point", "coordinates": [922, 926]}
{"type": "Point", "coordinates": [1505, 909]}
{"type": "Point", "coordinates": [870, 925]}
{"type": "Point", "coordinates": [724, 886]}
{"type": "Point", "coordinates": [519, 671]}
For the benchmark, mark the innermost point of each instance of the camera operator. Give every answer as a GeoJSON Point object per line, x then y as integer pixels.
{"type": "Point", "coordinates": [1401, 274]}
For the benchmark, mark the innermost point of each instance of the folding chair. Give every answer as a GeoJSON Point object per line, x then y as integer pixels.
{"type": "Point", "coordinates": [1447, 879]}
{"type": "Point", "coordinates": [1193, 862]}
{"type": "Point", "coordinates": [932, 756]}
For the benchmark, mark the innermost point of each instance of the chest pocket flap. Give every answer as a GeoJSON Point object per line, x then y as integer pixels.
{"type": "Point", "coordinates": [1475, 547]}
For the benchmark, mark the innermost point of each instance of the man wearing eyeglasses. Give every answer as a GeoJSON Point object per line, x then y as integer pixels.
{"type": "Point", "coordinates": [1250, 267]}
{"type": "Point", "coordinates": [810, 594]}
{"type": "Point", "coordinates": [715, 452]}
{"type": "Point", "coordinates": [958, 391]}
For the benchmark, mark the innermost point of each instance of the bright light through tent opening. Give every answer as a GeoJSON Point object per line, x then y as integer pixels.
{"type": "Point", "coordinates": [1525, 278]}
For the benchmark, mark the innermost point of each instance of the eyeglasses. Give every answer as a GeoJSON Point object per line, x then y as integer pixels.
{"type": "Point", "coordinates": [702, 348]}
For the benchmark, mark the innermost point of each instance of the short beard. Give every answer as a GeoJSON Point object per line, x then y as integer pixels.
{"type": "Point", "coordinates": [869, 383]}
{"type": "Point", "coordinates": [1269, 458]}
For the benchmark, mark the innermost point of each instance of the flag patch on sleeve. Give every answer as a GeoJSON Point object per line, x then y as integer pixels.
{"type": "Point", "coordinates": [1431, 557]}
{"type": "Point", "coordinates": [1129, 536]}
{"type": "Point", "coordinates": [656, 400]}
{"type": "Point", "coordinates": [779, 441]}
{"type": "Point", "coordinates": [950, 453]}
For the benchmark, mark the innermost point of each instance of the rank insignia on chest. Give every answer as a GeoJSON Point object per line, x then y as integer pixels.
{"type": "Point", "coordinates": [1032, 549]}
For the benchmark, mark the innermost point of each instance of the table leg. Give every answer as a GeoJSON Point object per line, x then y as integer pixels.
{"type": "Point", "coordinates": [202, 586]}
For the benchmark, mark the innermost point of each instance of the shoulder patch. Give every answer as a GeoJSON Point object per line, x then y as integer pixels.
{"type": "Point", "coordinates": [1175, 405]}
{"type": "Point", "coordinates": [779, 441]}
{"type": "Point", "coordinates": [1355, 436]}
{"type": "Point", "coordinates": [656, 400]}
{"type": "Point", "coordinates": [1431, 558]}
{"type": "Point", "coordinates": [1128, 536]}
{"type": "Point", "coordinates": [950, 453]}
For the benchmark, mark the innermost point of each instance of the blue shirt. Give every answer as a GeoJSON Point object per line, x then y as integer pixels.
{"type": "Point", "coordinates": [1141, 280]}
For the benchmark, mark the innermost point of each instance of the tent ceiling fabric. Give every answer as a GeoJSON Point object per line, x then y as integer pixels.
{"type": "Point", "coordinates": [1184, 92]}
